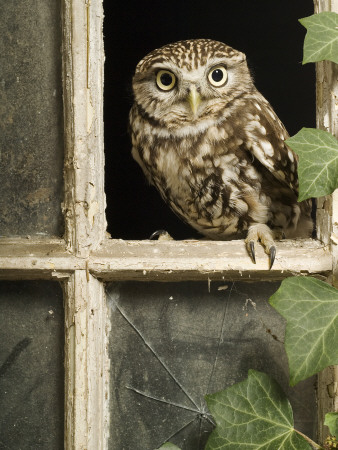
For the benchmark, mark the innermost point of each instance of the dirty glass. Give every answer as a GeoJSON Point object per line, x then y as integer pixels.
{"type": "Point", "coordinates": [31, 365]}
{"type": "Point", "coordinates": [31, 128]}
{"type": "Point", "coordinates": [171, 343]}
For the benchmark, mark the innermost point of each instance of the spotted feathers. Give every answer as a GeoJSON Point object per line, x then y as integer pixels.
{"type": "Point", "coordinates": [220, 163]}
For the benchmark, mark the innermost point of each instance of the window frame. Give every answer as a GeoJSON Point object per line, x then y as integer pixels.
{"type": "Point", "coordinates": [87, 258]}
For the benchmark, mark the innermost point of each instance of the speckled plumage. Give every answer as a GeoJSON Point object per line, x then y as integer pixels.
{"type": "Point", "coordinates": [222, 166]}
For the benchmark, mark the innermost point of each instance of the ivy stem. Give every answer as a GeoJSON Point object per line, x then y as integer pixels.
{"type": "Point", "coordinates": [310, 441]}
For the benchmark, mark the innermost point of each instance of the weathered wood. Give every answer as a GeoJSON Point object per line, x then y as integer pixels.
{"type": "Point", "coordinates": [163, 261]}
{"type": "Point", "coordinates": [327, 119]}
{"type": "Point", "coordinates": [83, 57]}
{"type": "Point", "coordinates": [86, 363]}
{"type": "Point", "coordinates": [327, 212]}
{"type": "Point", "coordinates": [28, 259]}
{"type": "Point", "coordinates": [189, 260]}
{"type": "Point", "coordinates": [86, 403]}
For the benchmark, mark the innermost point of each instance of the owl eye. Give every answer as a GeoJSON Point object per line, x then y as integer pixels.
{"type": "Point", "coordinates": [218, 76]}
{"type": "Point", "coordinates": [165, 80]}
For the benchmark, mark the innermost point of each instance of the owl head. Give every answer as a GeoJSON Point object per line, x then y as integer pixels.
{"type": "Point", "coordinates": [191, 81]}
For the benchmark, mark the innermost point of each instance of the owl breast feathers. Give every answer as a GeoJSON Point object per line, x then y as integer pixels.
{"type": "Point", "coordinates": [213, 146]}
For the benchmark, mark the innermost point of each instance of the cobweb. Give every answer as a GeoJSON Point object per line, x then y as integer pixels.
{"type": "Point", "coordinates": [173, 343]}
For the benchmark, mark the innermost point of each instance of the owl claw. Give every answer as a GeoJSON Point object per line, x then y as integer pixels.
{"type": "Point", "coordinates": [252, 251]}
{"type": "Point", "coordinates": [162, 235]}
{"type": "Point", "coordinates": [157, 233]}
{"type": "Point", "coordinates": [262, 233]}
{"type": "Point", "coordinates": [272, 253]}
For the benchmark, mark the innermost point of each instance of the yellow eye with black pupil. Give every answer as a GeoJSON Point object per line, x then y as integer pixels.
{"type": "Point", "coordinates": [218, 76]}
{"type": "Point", "coordinates": [165, 80]}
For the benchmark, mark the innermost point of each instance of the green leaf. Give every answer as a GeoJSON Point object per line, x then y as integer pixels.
{"type": "Point", "coordinates": [321, 40]}
{"type": "Point", "coordinates": [169, 446]}
{"type": "Point", "coordinates": [310, 307]}
{"type": "Point", "coordinates": [253, 414]}
{"type": "Point", "coordinates": [331, 421]}
{"type": "Point", "coordinates": [318, 162]}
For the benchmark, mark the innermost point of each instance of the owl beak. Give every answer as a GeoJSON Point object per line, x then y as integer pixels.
{"type": "Point", "coordinates": [194, 99]}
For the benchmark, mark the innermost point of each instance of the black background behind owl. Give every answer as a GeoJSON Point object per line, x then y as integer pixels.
{"type": "Point", "coordinates": [267, 31]}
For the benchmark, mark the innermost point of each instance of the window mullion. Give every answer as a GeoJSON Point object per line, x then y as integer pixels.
{"type": "Point", "coordinates": [86, 363]}
{"type": "Point", "coordinates": [83, 57]}
{"type": "Point", "coordinates": [84, 206]}
{"type": "Point", "coordinates": [327, 211]}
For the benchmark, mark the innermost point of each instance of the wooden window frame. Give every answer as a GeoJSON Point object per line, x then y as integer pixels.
{"type": "Point", "coordinates": [86, 258]}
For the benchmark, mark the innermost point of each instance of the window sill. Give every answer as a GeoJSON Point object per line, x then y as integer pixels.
{"type": "Point", "coordinates": [163, 260]}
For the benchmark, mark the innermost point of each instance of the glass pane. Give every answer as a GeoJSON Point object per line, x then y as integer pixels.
{"type": "Point", "coordinates": [31, 365]}
{"type": "Point", "coordinates": [173, 343]}
{"type": "Point", "coordinates": [31, 127]}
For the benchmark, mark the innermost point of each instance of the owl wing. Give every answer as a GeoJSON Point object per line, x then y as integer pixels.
{"type": "Point", "coordinates": [135, 120]}
{"type": "Point", "coordinates": [265, 138]}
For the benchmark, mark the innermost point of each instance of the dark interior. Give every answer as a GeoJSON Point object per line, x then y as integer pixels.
{"type": "Point", "coordinates": [267, 31]}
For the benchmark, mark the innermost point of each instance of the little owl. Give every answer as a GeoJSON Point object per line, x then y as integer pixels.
{"type": "Point", "coordinates": [214, 147]}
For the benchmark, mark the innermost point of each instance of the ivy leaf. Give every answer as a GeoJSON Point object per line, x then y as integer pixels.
{"type": "Point", "coordinates": [169, 446]}
{"type": "Point", "coordinates": [310, 307]}
{"type": "Point", "coordinates": [321, 40]}
{"type": "Point", "coordinates": [318, 162]}
{"type": "Point", "coordinates": [253, 414]}
{"type": "Point", "coordinates": [331, 421]}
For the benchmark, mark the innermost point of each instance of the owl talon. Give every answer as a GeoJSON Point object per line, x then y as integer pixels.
{"type": "Point", "coordinates": [252, 251]}
{"type": "Point", "coordinates": [262, 233]}
{"type": "Point", "coordinates": [272, 253]}
{"type": "Point", "coordinates": [162, 235]}
{"type": "Point", "coordinates": [157, 233]}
